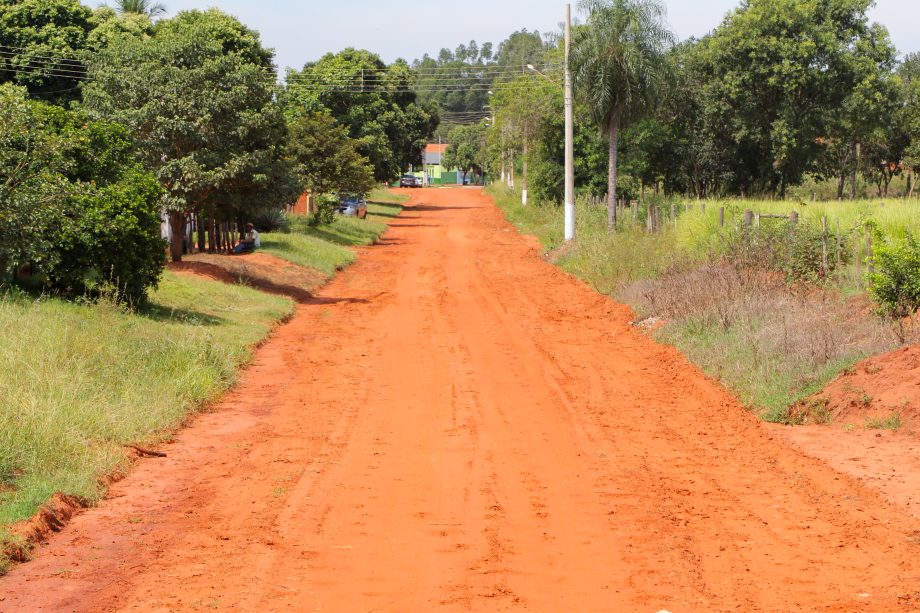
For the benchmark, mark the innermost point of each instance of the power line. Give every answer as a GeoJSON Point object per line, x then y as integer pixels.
{"type": "Point", "coordinates": [25, 51]}
{"type": "Point", "coordinates": [39, 71]}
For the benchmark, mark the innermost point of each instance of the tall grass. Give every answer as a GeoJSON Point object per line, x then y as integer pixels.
{"type": "Point", "coordinates": [80, 380]}
{"type": "Point", "coordinates": [326, 247]}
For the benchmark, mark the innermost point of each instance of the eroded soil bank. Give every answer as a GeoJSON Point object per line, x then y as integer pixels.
{"type": "Point", "coordinates": [454, 424]}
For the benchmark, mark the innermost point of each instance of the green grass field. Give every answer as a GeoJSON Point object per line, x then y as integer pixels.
{"type": "Point", "coordinates": [326, 248]}
{"type": "Point", "coordinates": [80, 380]}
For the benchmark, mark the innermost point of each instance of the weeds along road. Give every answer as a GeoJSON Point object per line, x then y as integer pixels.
{"type": "Point", "coordinates": [453, 424]}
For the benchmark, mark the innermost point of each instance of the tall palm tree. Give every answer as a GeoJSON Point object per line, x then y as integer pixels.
{"type": "Point", "coordinates": [619, 66]}
{"type": "Point", "coordinates": [143, 7]}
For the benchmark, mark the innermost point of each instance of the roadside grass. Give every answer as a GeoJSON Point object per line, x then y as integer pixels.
{"type": "Point", "coordinates": [771, 343]}
{"type": "Point", "coordinates": [892, 422]}
{"type": "Point", "coordinates": [326, 248]}
{"type": "Point", "coordinates": [307, 250]}
{"type": "Point", "coordinates": [81, 380]}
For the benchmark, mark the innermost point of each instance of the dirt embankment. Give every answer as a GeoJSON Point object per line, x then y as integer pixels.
{"type": "Point", "coordinates": [873, 416]}
{"type": "Point", "coordinates": [453, 424]}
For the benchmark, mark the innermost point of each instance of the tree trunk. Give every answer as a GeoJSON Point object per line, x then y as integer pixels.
{"type": "Point", "coordinates": [841, 183]}
{"type": "Point", "coordinates": [910, 183]}
{"type": "Point", "coordinates": [177, 234]}
{"type": "Point", "coordinates": [202, 239]}
{"type": "Point", "coordinates": [612, 175]}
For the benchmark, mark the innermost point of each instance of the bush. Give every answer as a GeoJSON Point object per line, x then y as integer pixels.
{"type": "Point", "coordinates": [325, 211]}
{"type": "Point", "coordinates": [75, 204]}
{"type": "Point", "coordinates": [114, 242]}
{"type": "Point", "coordinates": [895, 283]}
{"type": "Point", "coordinates": [776, 247]}
{"type": "Point", "coordinates": [270, 220]}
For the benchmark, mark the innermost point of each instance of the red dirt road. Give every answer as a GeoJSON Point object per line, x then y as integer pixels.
{"type": "Point", "coordinates": [455, 425]}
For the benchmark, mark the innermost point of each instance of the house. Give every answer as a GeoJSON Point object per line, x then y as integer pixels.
{"type": "Point", "coordinates": [433, 167]}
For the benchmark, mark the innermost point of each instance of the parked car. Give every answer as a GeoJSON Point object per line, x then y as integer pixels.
{"type": "Point", "coordinates": [352, 206]}
{"type": "Point", "coordinates": [411, 181]}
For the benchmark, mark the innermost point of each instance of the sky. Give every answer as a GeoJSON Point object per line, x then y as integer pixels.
{"type": "Point", "coordinates": [303, 31]}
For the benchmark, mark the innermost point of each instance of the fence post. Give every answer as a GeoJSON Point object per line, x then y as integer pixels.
{"type": "Point", "coordinates": [794, 219]}
{"type": "Point", "coordinates": [748, 218]}
{"type": "Point", "coordinates": [824, 269]}
{"type": "Point", "coordinates": [721, 216]}
{"type": "Point", "coordinates": [648, 218]}
{"type": "Point", "coordinates": [673, 212]}
{"type": "Point", "coordinates": [757, 219]}
{"type": "Point", "coordinates": [703, 208]}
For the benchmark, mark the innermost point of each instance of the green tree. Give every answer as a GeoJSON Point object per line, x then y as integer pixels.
{"type": "Point", "coordinates": [374, 101]}
{"type": "Point", "coordinates": [780, 80]}
{"type": "Point", "coordinates": [909, 113]}
{"type": "Point", "coordinates": [32, 185]}
{"type": "Point", "coordinates": [619, 66]}
{"type": "Point", "coordinates": [41, 43]}
{"type": "Point", "coordinates": [199, 97]}
{"type": "Point", "coordinates": [466, 149]}
{"type": "Point", "coordinates": [520, 107]}
{"type": "Point", "coordinates": [110, 240]}
{"type": "Point", "coordinates": [325, 158]}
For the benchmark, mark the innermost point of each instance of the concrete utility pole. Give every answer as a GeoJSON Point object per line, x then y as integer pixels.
{"type": "Point", "coordinates": [569, 135]}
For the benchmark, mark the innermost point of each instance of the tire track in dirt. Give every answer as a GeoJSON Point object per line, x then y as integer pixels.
{"type": "Point", "coordinates": [453, 424]}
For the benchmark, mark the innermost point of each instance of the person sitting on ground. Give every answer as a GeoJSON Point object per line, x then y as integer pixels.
{"type": "Point", "coordinates": [250, 242]}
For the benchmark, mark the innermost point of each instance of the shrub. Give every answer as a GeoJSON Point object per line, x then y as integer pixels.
{"type": "Point", "coordinates": [33, 189]}
{"type": "Point", "coordinates": [74, 203]}
{"type": "Point", "coordinates": [270, 220]}
{"type": "Point", "coordinates": [776, 247]}
{"type": "Point", "coordinates": [896, 279]}
{"type": "Point", "coordinates": [114, 242]}
{"type": "Point", "coordinates": [325, 210]}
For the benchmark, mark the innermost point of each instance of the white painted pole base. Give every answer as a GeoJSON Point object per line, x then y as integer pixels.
{"type": "Point", "coordinates": [569, 221]}
{"type": "Point", "coordinates": [524, 197]}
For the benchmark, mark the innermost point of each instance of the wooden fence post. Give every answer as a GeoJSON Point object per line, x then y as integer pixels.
{"type": "Point", "coordinates": [748, 218]}
{"type": "Point", "coordinates": [721, 216]}
{"type": "Point", "coordinates": [794, 220]}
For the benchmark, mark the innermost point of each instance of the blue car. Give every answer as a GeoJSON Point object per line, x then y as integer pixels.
{"type": "Point", "coordinates": [352, 206]}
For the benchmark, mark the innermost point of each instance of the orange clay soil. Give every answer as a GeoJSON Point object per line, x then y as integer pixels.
{"type": "Point", "coordinates": [453, 424]}
{"type": "Point", "coordinates": [874, 389]}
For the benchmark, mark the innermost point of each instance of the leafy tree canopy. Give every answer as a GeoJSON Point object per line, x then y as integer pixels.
{"type": "Point", "coordinates": [40, 43]}
{"type": "Point", "coordinates": [325, 158]}
{"type": "Point", "coordinates": [199, 97]}
{"type": "Point", "coordinates": [373, 101]}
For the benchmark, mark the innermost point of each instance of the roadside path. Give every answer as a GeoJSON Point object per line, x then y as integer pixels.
{"type": "Point", "coordinates": [453, 424]}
